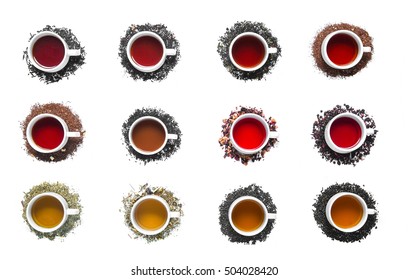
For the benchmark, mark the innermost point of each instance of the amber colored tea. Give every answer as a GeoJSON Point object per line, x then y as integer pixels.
{"type": "Point", "coordinates": [248, 215]}
{"type": "Point", "coordinates": [148, 135]}
{"type": "Point", "coordinates": [346, 212]}
{"type": "Point", "coordinates": [151, 214]}
{"type": "Point", "coordinates": [47, 212]}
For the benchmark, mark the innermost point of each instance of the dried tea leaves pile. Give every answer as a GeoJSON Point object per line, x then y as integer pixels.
{"type": "Point", "coordinates": [170, 42]}
{"type": "Point", "coordinates": [319, 213]}
{"type": "Point", "coordinates": [73, 122]}
{"type": "Point", "coordinates": [168, 196]}
{"type": "Point", "coordinates": [328, 154]}
{"type": "Point", "coordinates": [226, 145]}
{"type": "Point", "coordinates": [172, 127]}
{"type": "Point", "coordinates": [226, 228]}
{"type": "Point", "coordinates": [331, 72]}
{"type": "Point", "coordinates": [72, 199]}
{"type": "Point", "coordinates": [248, 26]}
{"type": "Point", "coordinates": [74, 62]}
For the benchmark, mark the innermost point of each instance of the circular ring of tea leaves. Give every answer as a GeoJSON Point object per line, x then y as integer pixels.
{"type": "Point", "coordinates": [319, 212]}
{"type": "Point", "coordinates": [326, 69]}
{"type": "Point", "coordinates": [70, 196]}
{"type": "Point", "coordinates": [328, 154]}
{"type": "Point", "coordinates": [174, 203]}
{"type": "Point", "coordinates": [169, 40]}
{"type": "Point", "coordinates": [74, 62]}
{"type": "Point", "coordinates": [248, 26]}
{"type": "Point", "coordinates": [225, 142]}
{"type": "Point", "coordinates": [226, 228]}
{"type": "Point", "coordinates": [172, 128]}
{"type": "Point", "coordinates": [74, 124]}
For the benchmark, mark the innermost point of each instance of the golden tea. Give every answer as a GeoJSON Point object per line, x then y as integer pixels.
{"type": "Point", "coordinates": [248, 215]}
{"type": "Point", "coordinates": [151, 214]}
{"type": "Point", "coordinates": [346, 212]}
{"type": "Point", "coordinates": [47, 212]}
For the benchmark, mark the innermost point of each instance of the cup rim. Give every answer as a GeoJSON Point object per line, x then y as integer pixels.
{"type": "Point", "coordinates": [235, 144]}
{"type": "Point", "coordinates": [261, 39]}
{"type": "Point", "coordinates": [135, 223]}
{"type": "Point", "coordinates": [37, 65]}
{"type": "Point", "coordinates": [264, 222]}
{"type": "Point", "coordinates": [143, 68]}
{"type": "Point", "coordinates": [326, 57]}
{"type": "Point", "coordinates": [331, 143]}
{"type": "Point", "coordinates": [363, 204]}
{"type": "Point", "coordinates": [31, 141]}
{"type": "Point", "coordinates": [140, 151]}
{"type": "Point", "coordinates": [31, 203]}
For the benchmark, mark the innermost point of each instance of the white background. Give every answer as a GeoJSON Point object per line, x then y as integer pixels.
{"type": "Point", "coordinates": [199, 93]}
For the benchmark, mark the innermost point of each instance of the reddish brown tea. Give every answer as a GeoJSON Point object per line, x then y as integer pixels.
{"type": "Point", "coordinates": [48, 133]}
{"type": "Point", "coordinates": [48, 51]}
{"type": "Point", "coordinates": [146, 51]}
{"type": "Point", "coordinates": [248, 51]}
{"type": "Point", "coordinates": [342, 49]}
{"type": "Point", "coordinates": [345, 132]}
{"type": "Point", "coordinates": [148, 135]}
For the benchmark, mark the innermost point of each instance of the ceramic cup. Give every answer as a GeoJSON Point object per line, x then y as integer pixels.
{"type": "Point", "coordinates": [255, 39]}
{"type": "Point", "coordinates": [350, 119]}
{"type": "Point", "coordinates": [350, 37]}
{"type": "Point", "coordinates": [139, 227]}
{"type": "Point", "coordinates": [365, 211]}
{"type": "Point", "coordinates": [148, 68]}
{"type": "Point", "coordinates": [63, 126]}
{"type": "Point", "coordinates": [67, 52]}
{"type": "Point", "coordinates": [66, 211]}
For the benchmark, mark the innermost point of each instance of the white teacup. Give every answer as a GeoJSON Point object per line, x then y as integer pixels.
{"type": "Point", "coordinates": [240, 205]}
{"type": "Point", "coordinates": [148, 68]}
{"type": "Point", "coordinates": [35, 213]}
{"type": "Point", "coordinates": [358, 44]}
{"type": "Point", "coordinates": [356, 202]}
{"type": "Point", "coordinates": [149, 211]}
{"type": "Point", "coordinates": [64, 61]}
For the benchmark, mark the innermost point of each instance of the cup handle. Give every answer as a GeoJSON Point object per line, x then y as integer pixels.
{"type": "Point", "coordinates": [72, 211]}
{"type": "Point", "coordinates": [272, 50]}
{"type": "Point", "coordinates": [74, 52]}
{"type": "Point", "coordinates": [273, 134]}
{"type": "Point", "coordinates": [174, 214]}
{"type": "Point", "coordinates": [171, 51]}
{"type": "Point", "coordinates": [370, 131]}
{"type": "Point", "coordinates": [366, 49]}
{"type": "Point", "coordinates": [172, 136]}
{"type": "Point", "coordinates": [271, 216]}
{"type": "Point", "coordinates": [73, 134]}
{"type": "Point", "coordinates": [371, 211]}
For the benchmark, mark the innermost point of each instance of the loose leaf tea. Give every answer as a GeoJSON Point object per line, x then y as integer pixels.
{"type": "Point", "coordinates": [226, 228]}
{"type": "Point", "coordinates": [331, 72]}
{"type": "Point", "coordinates": [72, 120]}
{"type": "Point", "coordinates": [225, 142]}
{"type": "Point", "coordinates": [174, 203]}
{"type": "Point", "coordinates": [72, 199]}
{"type": "Point", "coordinates": [328, 154]}
{"type": "Point", "coordinates": [319, 212]}
{"type": "Point", "coordinates": [172, 128]}
{"type": "Point", "coordinates": [170, 42]}
{"type": "Point", "coordinates": [248, 26]}
{"type": "Point", "coordinates": [74, 62]}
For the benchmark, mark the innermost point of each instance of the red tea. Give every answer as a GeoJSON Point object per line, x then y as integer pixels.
{"type": "Point", "coordinates": [249, 133]}
{"type": "Point", "coordinates": [248, 51]}
{"type": "Point", "coordinates": [48, 51]}
{"type": "Point", "coordinates": [48, 133]}
{"type": "Point", "coordinates": [342, 49]}
{"type": "Point", "coordinates": [345, 132]}
{"type": "Point", "coordinates": [146, 51]}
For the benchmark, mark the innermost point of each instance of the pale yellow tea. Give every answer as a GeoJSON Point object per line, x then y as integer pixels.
{"type": "Point", "coordinates": [151, 214]}
{"type": "Point", "coordinates": [47, 212]}
{"type": "Point", "coordinates": [248, 215]}
{"type": "Point", "coordinates": [346, 212]}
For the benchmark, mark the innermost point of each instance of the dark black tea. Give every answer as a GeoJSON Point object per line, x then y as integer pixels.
{"type": "Point", "coordinates": [48, 51]}
{"type": "Point", "coordinates": [248, 51]}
